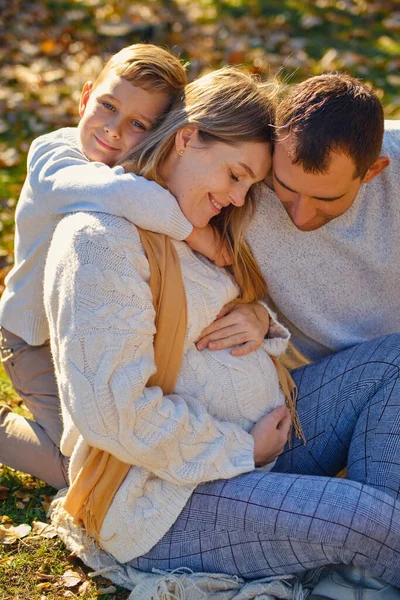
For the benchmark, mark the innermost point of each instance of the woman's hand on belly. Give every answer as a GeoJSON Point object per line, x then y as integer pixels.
{"type": "Point", "coordinates": [270, 435]}
{"type": "Point", "coordinates": [241, 325]}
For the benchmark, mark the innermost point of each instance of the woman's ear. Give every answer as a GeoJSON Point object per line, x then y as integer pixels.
{"type": "Point", "coordinates": [185, 137]}
{"type": "Point", "coordinates": [85, 95]}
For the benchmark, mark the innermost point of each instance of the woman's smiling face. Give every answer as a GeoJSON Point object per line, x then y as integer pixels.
{"type": "Point", "coordinates": [207, 177]}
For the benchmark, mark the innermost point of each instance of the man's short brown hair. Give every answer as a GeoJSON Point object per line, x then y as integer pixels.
{"type": "Point", "coordinates": [328, 113]}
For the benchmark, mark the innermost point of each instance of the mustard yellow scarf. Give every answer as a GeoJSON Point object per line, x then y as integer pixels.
{"type": "Point", "coordinates": [99, 479]}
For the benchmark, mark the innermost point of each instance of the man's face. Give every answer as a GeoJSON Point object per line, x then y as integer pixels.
{"type": "Point", "coordinates": [312, 200]}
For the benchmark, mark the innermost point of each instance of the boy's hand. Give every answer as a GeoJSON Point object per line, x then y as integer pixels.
{"type": "Point", "coordinates": [207, 241]}
{"type": "Point", "coordinates": [245, 324]}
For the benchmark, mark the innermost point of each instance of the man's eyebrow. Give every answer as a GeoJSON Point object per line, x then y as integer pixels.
{"type": "Point", "coordinates": [247, 168]}
{"type": "Point", "coordinates": [327, 199]}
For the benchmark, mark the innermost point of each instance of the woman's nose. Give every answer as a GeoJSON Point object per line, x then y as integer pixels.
{"type": "Point", "coordinates": [237, 197]}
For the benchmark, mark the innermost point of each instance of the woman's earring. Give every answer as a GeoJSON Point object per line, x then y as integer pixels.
{"type": "Point", "coordinates": [180, 152]}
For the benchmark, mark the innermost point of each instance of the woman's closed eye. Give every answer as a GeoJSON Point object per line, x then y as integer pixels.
{"type": "Point", "coordinates": [234, 177]}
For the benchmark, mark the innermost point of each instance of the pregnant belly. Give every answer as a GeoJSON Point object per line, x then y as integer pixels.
{"type": "Point", "coordinates": [236, 389]}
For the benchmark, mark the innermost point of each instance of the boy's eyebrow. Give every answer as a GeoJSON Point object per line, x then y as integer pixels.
{"type": "Point", "coordinates": [327, 199]}
{"type": "Point", "coordinates": [247, 168]}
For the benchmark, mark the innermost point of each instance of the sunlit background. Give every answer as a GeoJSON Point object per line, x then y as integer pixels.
{"type": "Point", "coordinates": [48, 49]}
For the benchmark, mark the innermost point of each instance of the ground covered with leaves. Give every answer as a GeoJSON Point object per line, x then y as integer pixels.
{"type": "Point", "coordinates": [48, 49]}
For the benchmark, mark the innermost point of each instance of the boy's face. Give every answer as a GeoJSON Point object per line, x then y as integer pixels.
{"type": "Point", "coordinates": [115, 116]}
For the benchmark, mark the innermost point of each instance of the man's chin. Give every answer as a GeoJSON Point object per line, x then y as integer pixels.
{"type": "Point", "coordinates": [309, 226]}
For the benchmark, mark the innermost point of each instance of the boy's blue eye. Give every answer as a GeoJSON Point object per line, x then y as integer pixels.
{"type": "Point", "coordinates": [108, 106]}
{"type": "Point", "coordinates": [138, 125]}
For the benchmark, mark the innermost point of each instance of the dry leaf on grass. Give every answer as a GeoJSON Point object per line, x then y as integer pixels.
{"type": "Point", "coordinates": [44, 577]}
{"type": "Point", "coordinates": [71, 578]}
{"type": "Point", "coordinates": [85, 587]}
{"type": "Point", "coordinates": [44, 586]}
{"type": "Point", "coordinates": [6, 519]}
{"type": "Point", "coordinates": [4, 492]}
{"type": "Point", "coordinates": [111, 589]}
{"type": "Point", "coordinates": [10, 533]}
{"type": "Point", "coordinates": [45, 530]}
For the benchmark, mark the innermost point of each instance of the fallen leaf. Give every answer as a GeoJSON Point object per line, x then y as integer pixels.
{"type": "Point", "coordinates": [10, 533]}
{"type": "Point", "coordinates": [19, 494]}
{"type": "Point", "coordinates": [47, 46]}
{"type": "Point", "coordinates": [6, 519]}
{"type": "Point", "coordinates": [44, 577]}
{"type": "Point", "coordinates": [84, 588]}
{"type": "Point", "coordinates": [20, 505]}
{"type": "Point", "coordinates": [47, 500]}
{"type": "Point", "coordinates": [3, 492]}
{"type": "Point", "coordinates": [10, 158]}
{"type": "Point", "coordinates": [45, 530]}
{"type": "Point", "coordinates": [44, 585]}
{"type": "Point", "coordinates": [71, 578]}
{"type": "Point", "coordinates": [108, 590]}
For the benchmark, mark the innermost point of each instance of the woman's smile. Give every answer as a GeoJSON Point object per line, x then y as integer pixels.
{"type": "Point", "coordinates": [217, 207]}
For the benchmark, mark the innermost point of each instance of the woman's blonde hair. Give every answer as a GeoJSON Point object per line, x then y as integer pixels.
{"type": "Point", "coordinates": [229, 106]}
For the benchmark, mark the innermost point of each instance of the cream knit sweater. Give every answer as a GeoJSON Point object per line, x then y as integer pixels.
{"type": "Point", "coordinates": [101, 320]}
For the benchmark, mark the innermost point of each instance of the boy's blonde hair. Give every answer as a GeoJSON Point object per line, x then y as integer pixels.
{"type": "Point", "coordinates": [229, 106]}
{"type": "Point", "coordinates": [148, 67]}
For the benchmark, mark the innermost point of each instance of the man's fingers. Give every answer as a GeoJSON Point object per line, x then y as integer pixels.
{"type": "Point", "coordinates": [223, 338]}
{"type": "Point", "coordinates": [228, 342]}
{"type": "Point", "coordinates": [219, 325]}
{"type": "Point", "coordinates": [226, 310]}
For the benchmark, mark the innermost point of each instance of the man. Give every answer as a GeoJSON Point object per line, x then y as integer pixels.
{"type": "Point", "coordinates": [327, 237]}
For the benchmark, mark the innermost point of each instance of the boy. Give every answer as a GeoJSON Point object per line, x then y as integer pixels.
{"type": "Point", "coordinates": [135, 88]}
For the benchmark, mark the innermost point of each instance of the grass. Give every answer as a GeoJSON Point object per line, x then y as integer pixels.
{"type": "Point", "coordinates": [32, 568]}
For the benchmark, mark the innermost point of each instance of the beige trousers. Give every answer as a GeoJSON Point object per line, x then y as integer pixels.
{"type": "Point", "coordinates": [26, 445]}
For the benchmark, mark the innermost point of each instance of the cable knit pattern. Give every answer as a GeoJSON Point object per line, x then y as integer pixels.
{"type": "Point", "coordinates": [101, 319]}
{"type": "Point", "coordinates": [61, 180]}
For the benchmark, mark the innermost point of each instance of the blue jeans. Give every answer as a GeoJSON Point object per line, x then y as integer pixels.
{"type": "Point", "coordinates": [300, 516]}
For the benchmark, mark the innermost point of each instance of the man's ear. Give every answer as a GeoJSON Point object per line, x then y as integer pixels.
{"type": "Point", "coordinates": [376, 168]}
{"type": "Point", "coordinates": [185, 137]}
{"type": "Point", "coordinates": [85, 95]}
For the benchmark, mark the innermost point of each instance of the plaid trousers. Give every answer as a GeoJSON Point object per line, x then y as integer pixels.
{"type": "Point", "coordinates": [300, 516]}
